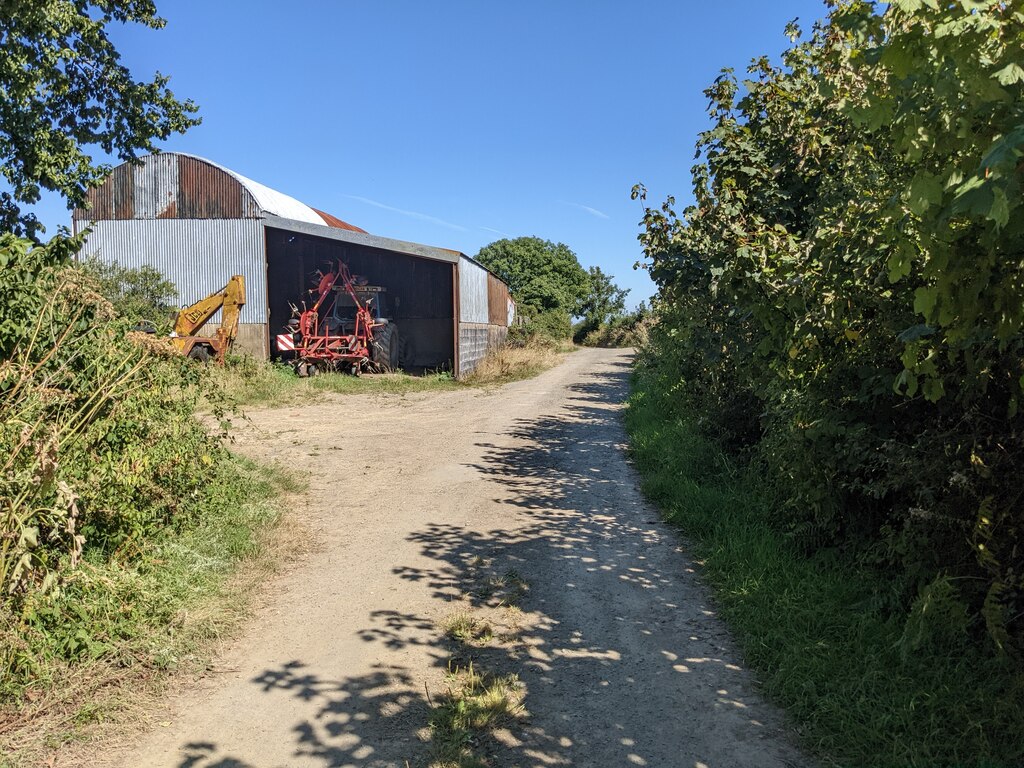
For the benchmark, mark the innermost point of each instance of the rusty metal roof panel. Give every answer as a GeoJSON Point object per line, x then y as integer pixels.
{"type": "Point", "coordinates": [270, 201]}
{"type": "Point", "coordinates": [206, 192]}
{"type": "Point", "coordinates": [178, 185]}
{"type": "Point", "coordinates": [155, 185]}
{"type": "Point", "coordinates": [334, 221]}
{"type": "Point", "coordinates": [124, 192]}
{"type": "Point", "coordinates": [99, 204]}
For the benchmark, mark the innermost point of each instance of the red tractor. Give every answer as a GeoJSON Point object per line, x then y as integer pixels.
{"type": "Point", "coordinates": [346, 328]}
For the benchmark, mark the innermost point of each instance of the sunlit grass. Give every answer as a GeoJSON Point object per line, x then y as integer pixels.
{"type": "Point", "coordinates": [248, 382]}
{"type": "Point", "coordinates": [473, 705]}
{"type": "Point", "coordinates": [810, 627]}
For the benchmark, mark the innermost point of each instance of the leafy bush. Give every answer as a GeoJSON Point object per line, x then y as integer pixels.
{"type": "Point", "coordinates": [844, 302]}
{"type": "Point", "coordinates": [101, 448]}
{"type": "Point", "coordinates": [621, 330]}
{"type": "Point", "coordinates": [139, 294]}
{"type": "Point", "coordinates": [553, 324]}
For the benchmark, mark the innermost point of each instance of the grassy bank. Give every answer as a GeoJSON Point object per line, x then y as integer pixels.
{"type": "Point", "coordinates": [863, 688]}
{"type": "Point", "coordinates": [124, 519]}
{"type": "Point", "coordinates": [248, 382]}
{"type": "Point", "coordinates": [99, 647]}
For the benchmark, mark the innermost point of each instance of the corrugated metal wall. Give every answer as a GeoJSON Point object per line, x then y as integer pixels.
{"type": "Point", "coordinates": [198, 255]}
{"type": "Point", "coordinates": [472, 292]}
{"type": "Point", "coordinates": [485, 311]}
{"type": "Point", "coordinates": [473, 338]}
{"type": "Point", "coordinates": [497, 302]}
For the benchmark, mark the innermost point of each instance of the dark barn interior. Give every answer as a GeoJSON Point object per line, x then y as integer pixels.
{"type": "Point", "coordinates": [420, 291]}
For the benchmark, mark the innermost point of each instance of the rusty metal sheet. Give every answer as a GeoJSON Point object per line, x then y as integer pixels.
{"type": "Point", "coordinates": [334, 221]}
{"type": "Point", "coordinates": [206, 192]}
{"type": "Point", "coordinates": [156, 187]}
{"type": "Point", "coordinates": [99, 204]}
{"type": "Point", "coordinates": [497, 301]}
{"type": "Point", "coordinates": [123, 181]}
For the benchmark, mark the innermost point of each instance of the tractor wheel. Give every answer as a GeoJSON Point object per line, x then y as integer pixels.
{"type": "Point", "coordinates": [312, 370]}
{"type": "Point", "coordinates": [387, 348]}
{"type": "Point", "coordinates": [199, 353]}
{"type": "Point", "coordinates": [395, 358]}
{"type": "Point", "coordinates": [408, 353]}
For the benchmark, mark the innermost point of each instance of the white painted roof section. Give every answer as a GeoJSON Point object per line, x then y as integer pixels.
{"type": "Point", "coordinates": [270, 200]}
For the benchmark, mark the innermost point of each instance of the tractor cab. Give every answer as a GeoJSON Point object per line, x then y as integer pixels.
{"type": "Point", "coordinates": [353, 331]}
{"type": "Point", "coordinates": [372, 297]}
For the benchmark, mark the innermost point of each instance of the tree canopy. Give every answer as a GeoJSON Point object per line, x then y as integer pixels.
{"type": "Point", "coordinates": [542, 276]}
{"type": "Point", "coordinates": [64, 93]}
{"type": "Point", "coordinates": [604, 300]}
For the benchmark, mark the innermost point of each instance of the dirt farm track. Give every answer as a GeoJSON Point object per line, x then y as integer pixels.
{"type": "Point", "coordinates": [620, 656]}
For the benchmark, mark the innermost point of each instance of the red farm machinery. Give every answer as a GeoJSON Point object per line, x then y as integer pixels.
{"type": "Point", "coordinates": [345, 329]}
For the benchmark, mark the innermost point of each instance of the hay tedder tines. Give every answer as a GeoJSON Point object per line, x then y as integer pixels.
{"type": "Point", "coordinates": [345, 329]}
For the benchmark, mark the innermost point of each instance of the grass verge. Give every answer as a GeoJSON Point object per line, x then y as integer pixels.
{"type": "Point", "coordinates": [90, 654]}
{"type": "Point", "coordinates": [810, 626]}
{"type": "Point", "coordinates": [516, 362]}
{"type": "Point", "coordinates": [248, 382]}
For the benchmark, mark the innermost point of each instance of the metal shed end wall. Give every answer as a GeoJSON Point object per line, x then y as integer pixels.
{"type": "Point", "coordinates": [484, 313]}
{"type": "Point", "coordinates": [198, 256]}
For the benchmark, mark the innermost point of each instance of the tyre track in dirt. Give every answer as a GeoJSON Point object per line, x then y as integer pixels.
{"type": "Point", "coordinates": [622, 658]}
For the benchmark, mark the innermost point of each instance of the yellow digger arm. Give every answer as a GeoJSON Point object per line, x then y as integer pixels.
{"type": "Point", "coordinates": [232, 297]}
{"type": "Point", "coordinates": [234, 300]}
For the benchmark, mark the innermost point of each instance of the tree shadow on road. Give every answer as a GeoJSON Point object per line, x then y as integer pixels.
{"type": "Point", "coordinates": [621, 658]}
{"type": "Point", "coordinates": [371, 720]}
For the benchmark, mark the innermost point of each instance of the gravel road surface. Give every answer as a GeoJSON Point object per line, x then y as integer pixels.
{"type": "Point", "coordinates": [410, 499]}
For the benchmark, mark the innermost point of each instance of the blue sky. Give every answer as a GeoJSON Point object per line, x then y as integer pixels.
{"type": "Point", "coordinates": [458, 122]}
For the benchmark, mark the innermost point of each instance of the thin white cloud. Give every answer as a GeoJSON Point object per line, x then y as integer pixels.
{"type": "Point", "coordinates": [496, 231]}
{"type": "Point", "coordinates": [587, 208]}
{"type": "Point", "coordinates": [410, 214]}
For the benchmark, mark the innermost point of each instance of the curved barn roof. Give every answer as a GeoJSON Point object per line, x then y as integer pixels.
{"type": "Point", "coordinates": [176, 185]}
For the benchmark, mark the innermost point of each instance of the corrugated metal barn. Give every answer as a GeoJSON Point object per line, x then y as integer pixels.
{"type": "Point", "coordinates": [199, 223]}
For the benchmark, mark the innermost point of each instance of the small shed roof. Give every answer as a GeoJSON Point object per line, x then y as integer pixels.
{"type": "Point", "coordinates": [363, 238]}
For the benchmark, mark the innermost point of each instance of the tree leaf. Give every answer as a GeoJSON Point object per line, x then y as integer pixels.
{"type": "Point", "coordinates": [1000, 210]}
{"type": "Point", "coordinates": [1010, 74]}
{"type": "Point", "coordinates": [915, 332]}
{"type": "Point", "coordinates": [925, 191]}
